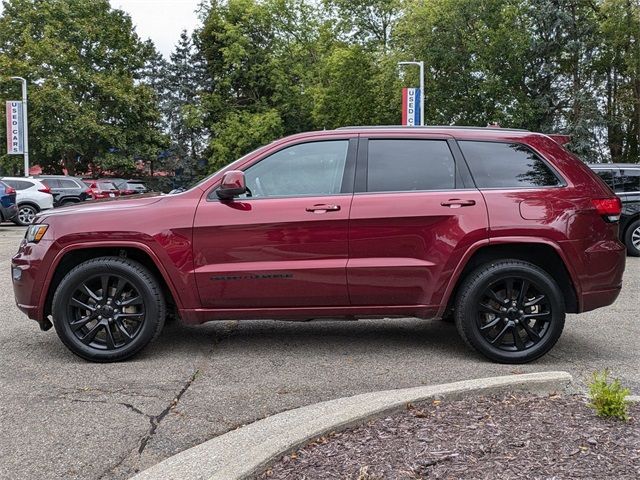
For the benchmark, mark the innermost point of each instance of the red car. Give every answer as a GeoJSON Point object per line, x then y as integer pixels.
{"type": "Point", "coordinates": [503, 230]}
{"type": "Point", "coordinates": [101, 188]}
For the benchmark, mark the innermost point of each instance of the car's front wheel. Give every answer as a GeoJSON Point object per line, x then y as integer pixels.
{"type": "Point", "coordinates": [26, 214]}
{"type": "Point", "coordinates": [107, 309]}
{"type": "Point", "coordinates": [510, 311]}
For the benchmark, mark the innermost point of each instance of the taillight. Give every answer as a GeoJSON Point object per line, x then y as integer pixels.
{"type": "Point", "coordinates": [9, 191]}
{"type": "Point", "coordinates": [609, 208]}
{"type": "Point", "coordinates": [45, 190]}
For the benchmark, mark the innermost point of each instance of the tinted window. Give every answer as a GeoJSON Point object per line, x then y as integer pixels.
{"type": "Point", "coordinates": [506, 165]}
{"type": "Point", "coordinates": [106, 186]}
{"type": "Point", "coordinates": [306, 169]}
{"type": "Point", "coordinates": [630, 180]}
{"type": "Point", "coordinates": [410, 165]}
{"type": "Point", "coordinates": [64, 183]}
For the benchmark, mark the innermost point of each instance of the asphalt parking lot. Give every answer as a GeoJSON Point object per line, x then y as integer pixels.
{"type": "Point", "coordinates": [61, 417]}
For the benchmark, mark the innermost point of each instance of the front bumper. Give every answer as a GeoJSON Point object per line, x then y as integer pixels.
{"type": "Point", "coordinates": [28, 269]}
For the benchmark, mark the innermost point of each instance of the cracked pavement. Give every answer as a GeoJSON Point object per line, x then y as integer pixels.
{"type": "Point", "coordinates": [62, 417]}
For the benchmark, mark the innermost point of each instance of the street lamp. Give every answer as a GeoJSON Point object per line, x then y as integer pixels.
{"type": "Point", "coordinates": [421, 65]}
{"type": "Point", "coordinates": [25, 124]}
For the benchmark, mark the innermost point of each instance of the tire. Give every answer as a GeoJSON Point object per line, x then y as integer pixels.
{"type": "Point", "coordinates": [115, 326]}
{"type": "Point", "coordinates": [25, 215]}
{"type": "Point", "coordinates": [510, 328]}
{"type": "Point", "coordinates": [632, 238]}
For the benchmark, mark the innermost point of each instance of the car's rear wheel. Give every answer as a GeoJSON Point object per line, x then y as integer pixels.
{"type": "Point", "coordinates": [632, 238]}
{"type": "Point", "coordinates": [26, 214]}
{"type": "Point", "coordinates": [510, 311]}
{"type": "Point", "coordinates": [107, 309]}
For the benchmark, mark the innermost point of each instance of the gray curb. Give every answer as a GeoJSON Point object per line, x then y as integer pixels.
{"type": "Point", "coordinates": [243, 452]}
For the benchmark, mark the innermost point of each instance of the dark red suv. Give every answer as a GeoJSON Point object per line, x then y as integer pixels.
{"type": "Point", "coordinates": [503, 231]}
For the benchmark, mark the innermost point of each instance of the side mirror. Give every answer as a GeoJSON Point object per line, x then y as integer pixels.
{"type": "Point", "coordinates": [232, 185]}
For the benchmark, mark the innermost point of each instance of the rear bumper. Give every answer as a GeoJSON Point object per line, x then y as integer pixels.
{"type": "Point", "coordinates": [601, 276]}
{"type": "Point", "coordinates": [602, 298]}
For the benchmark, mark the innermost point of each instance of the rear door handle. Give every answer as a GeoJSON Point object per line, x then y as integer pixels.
{"type": "Point", "coordinates": [457, 203]}
{"type": "Point", "coordinates": [322, 208]}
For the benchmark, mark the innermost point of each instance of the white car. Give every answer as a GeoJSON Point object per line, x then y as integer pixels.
{"type": "Point", "coordinates": [32, 196]}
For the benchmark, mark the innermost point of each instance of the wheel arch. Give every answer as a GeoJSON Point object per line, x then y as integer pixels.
{"type": "Point", "coordinates": [31, 203]}
{"type": "Point", "coordinates": [545, 255]}
{"type": "Point", "coordinates": [68, 259]}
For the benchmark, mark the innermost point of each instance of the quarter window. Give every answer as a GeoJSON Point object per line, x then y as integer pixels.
{"type": "Point", "coordinates": [506, 165]}
{"type": "Point", "coordinates": [410, 165]}
{"type": "Point", "coordinates": [315, 168]}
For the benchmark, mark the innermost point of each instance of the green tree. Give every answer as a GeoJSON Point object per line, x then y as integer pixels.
{"type": "Point", "coordinates": [90, 105]}
{"type": "Point", "coordinates": [259, 56]}
{"type": "Point", "coordinates": [620, 65]}
{"type": "Point", "coordinates": [181, 91]}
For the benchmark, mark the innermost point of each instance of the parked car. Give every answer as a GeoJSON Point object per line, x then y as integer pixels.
{"type": "Point", "coordinates": [101, 188]}
{"type": "Point", "coordinates": [624, 180]}
{"type": "Point", "coordinates": [8, 206]}
{"type": "Point", "coordinates": [130, 187]}
{"type": "Point", "coordinates": [32, 196]}
{"type": "Point", "coordinates": [66, 190]}
{"type": "Point", "coordinates": [504, 229]}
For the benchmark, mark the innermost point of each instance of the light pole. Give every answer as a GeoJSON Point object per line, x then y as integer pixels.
{"type": "Point", "coordinates": [421, 65]}
{"type": "Point", "coordinates": [25, 124]}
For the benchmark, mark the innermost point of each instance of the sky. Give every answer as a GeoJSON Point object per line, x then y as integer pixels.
{"type": "Point", "coordinates": [161, 20]}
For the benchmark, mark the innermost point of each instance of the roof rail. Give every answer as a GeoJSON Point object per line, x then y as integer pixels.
{"type": "Point", "coordinates": [455, 127]}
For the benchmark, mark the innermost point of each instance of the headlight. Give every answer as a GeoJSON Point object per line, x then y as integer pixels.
{"type": "Point", "coordinates": [35, 232]}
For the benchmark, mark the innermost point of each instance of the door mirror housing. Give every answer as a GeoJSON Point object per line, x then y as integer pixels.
{"type": "Point", "coordinates": [232, 185]}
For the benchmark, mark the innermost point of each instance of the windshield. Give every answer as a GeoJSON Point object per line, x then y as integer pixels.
{"type": "Point", "coordinates": [106, 186]}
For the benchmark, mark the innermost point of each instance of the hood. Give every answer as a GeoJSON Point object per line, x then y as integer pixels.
{"type": "Point", "coordinates": [94, 206]}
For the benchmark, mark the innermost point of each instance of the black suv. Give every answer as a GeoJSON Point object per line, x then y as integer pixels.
{"type": "Point", "coordinates": [624, 179]}
{"type": "Point", "coordinates": [66, 190]}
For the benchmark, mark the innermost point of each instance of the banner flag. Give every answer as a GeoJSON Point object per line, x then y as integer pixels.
{"type": "Point", "coordinates": [411, 107]}
{"type": "Point", "coordinates": [15, 128]}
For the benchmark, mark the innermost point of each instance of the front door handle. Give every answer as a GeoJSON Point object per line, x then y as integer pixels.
{"type": "Point", "coordinates": [323, 208]}
{"type": "Point", "coordinates": [457, 203]}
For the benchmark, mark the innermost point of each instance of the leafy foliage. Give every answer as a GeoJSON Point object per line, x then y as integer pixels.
{"type": "Point", "coordinates": [103, 99]}
{"type": "Point", "coordinates": [88, 100]}
{"type": "Point", "coordinates": [608, 399]}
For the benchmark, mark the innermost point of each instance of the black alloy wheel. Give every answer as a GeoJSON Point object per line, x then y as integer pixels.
{"type": "Point", "coordinates": [510, 311]}
{"type": "Point", "coordinates": [513, 314]}
{"type": "Point", "coordinates": [108, 308]}
{"type": "Point", "coordinates": [106, 311]}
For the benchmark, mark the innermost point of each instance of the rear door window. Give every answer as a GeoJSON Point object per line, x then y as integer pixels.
{"type": "Point", "coordinates": [65, 183]}
{"type": "Point", "coordinates": [507, 165]}
{"type": "Point", "coordinates": [51, 182]}
{"type": "Point", "coordinates": [403, 165]}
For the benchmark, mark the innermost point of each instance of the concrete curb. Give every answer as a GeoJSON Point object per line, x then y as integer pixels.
{"type": "Point", "coordinates": [244, 452]}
